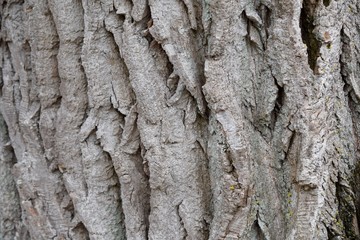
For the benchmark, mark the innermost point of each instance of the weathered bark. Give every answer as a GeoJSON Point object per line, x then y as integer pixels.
{"type": "Point", "coordinates": [180, 119]}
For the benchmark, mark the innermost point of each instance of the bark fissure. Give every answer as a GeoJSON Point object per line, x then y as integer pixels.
{"type": "Point", "coordinates": [307, 26]}
{"type": "Point", "coordinates": [279, 102]}
{"type": "Point", "coordinates": [259, 235]}
{"type": "Point", "coordinates": [145, 119]}
{"type": "Point", "coordinates": [326, 2]}
{"type": "Point", "coordinates": [346, 221]}
{"type": "Point", "coordinates": [349, 202]}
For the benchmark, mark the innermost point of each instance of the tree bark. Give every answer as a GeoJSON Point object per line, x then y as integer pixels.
{"type": "Point", "coordinates": [180, 119]}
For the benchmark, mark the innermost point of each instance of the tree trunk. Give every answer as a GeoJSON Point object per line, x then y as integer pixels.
{"type": "Point", "coordinates": [180, 119]}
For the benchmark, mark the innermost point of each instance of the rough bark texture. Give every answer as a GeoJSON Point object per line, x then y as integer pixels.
{"type": "Point", "coordinates": [180, 119]}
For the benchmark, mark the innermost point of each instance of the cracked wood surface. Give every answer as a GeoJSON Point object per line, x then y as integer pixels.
{"type": "Point", "coordinates": [183, 119]}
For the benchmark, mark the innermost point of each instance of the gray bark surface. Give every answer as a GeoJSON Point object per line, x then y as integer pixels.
{"type": "Point", "coordinates": [179, 119]}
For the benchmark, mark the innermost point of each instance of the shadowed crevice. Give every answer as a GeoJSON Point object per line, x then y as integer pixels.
{"type": "Point", "coordinates": [326, 2]}
{"type": "Point", "coordinates": [355, 184]}
{"type": "Point", "coordinates": [279, 103]}
{"type": "Point", "coordinates": [346, 221]}
{"type": "Point", "coordinates": [80, 231]}
{"type": "Point", "coordinates": [307, 26]}
{"type": "Point", "coordinates": [349, 196]}
{"type": "Point", "coordinates": [259, 235]}
{"type": "Point", "coordinates": [117, 188]}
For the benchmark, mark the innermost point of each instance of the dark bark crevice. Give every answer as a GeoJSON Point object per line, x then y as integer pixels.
{"type": "Point", "coordinates": [290, 146]}
{"type": "Point", "coordinates": [86, 106]}
{"type": "Point", "coordinates": [258, 233]}
{"type": "Point", "coordinates": [80, 232]}
{"type": "Point", "coordinates": [326, 2]}
{"type": "Point", "coordinates": [346, 59]}
{"type": "Point", "coordinates": [346, 221]}
{"type": "Point", "coordinates": [279, 103]}
{"type": "Point", "coordinates": [331, 235]}
{"type": "Point", "coordinates": [307, 26]}
{"type": "Point", "coordinates": [355, 184]}
{"type": "Point", "coordinates": [345, 205]}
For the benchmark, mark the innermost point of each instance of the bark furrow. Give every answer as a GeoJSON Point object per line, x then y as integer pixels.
{"type": "Point", "coordinates": [184, 119]}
